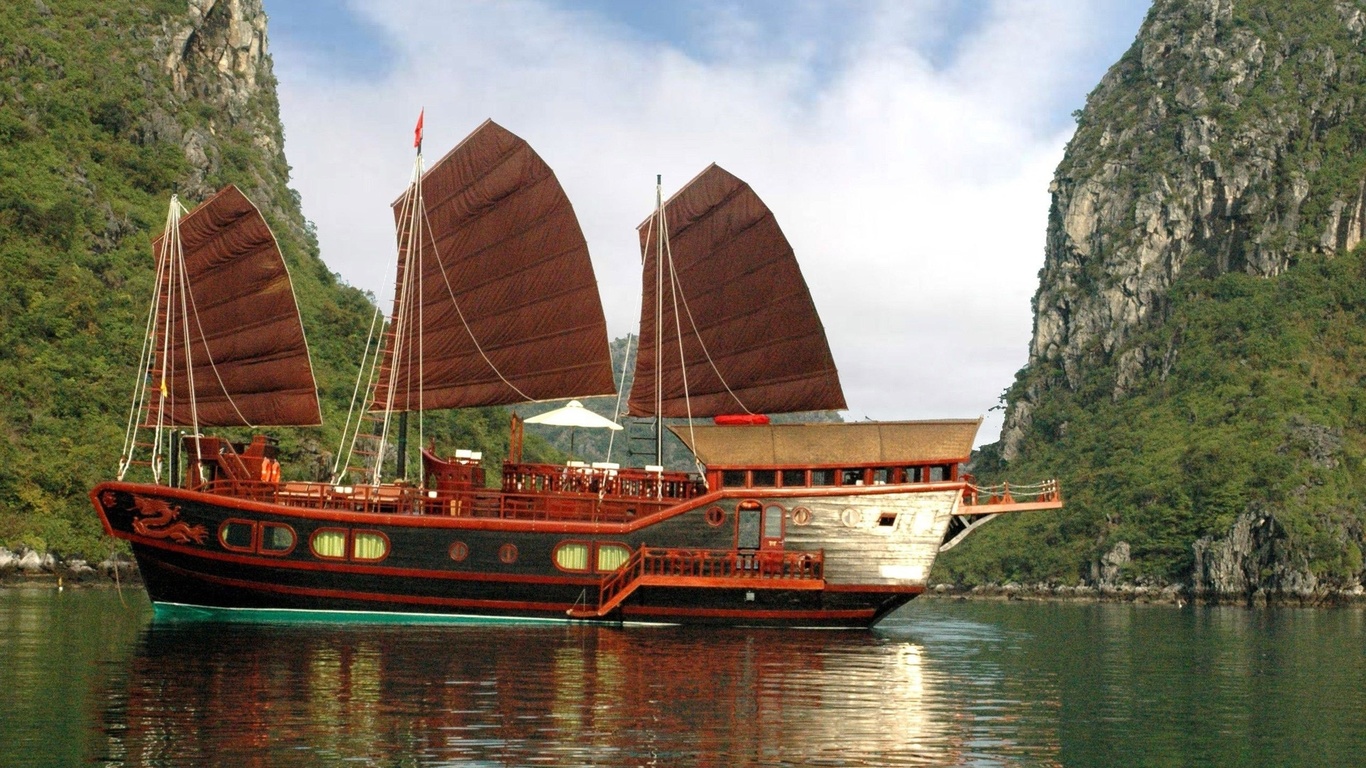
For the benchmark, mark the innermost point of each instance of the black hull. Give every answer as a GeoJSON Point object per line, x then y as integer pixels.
{"type": "Point", "coordinates": [419, 578]}
{"type": "Point", "coordinates": [173, 581]}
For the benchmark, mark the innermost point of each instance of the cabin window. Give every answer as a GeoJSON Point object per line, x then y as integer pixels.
{"type": "Point", "coordinates": [716, 516]}
{"type": "Point", "coordinates": [851, 477]}
{"type": "Point", "coordinates": [459, 551]}
{"type": "Point", "coordinates": [763, 478]}
{"type": "Point", "coordinates": [277, 539]}
{"type": "Point", "coordinates": [887, 519]}
{"type": "Point", "coordinates": [773, 521]}
{"type": "Point", "coordinates": [939, 473]}
{"type": "Point", "coordinates": [508, 553]}
{"type": "Point", "coordinates": [237, 535]}
{"type": "Point", "coordinates": [572, 556]}
{"type": "Point", "coordinates": [369, 545]}
{"type": "Point", "coordinates": [612, 556]}
{"type": "Point", "coordinates": [794, 478]}
{"type": "Point", "coordinates": [801, 516]}
{"type": "Point", "coordinates": [882, 476]}
{"type": "Point", "coordinates": [748, 516]}
{"type": "Point", "coordinates": [822, 477]}
{"type": "Point", "coordinates": [329, 543]}
{"type": "Point", "coordinates": [733, 478]}
{"type": "Point", "coordinates": [915, 474]}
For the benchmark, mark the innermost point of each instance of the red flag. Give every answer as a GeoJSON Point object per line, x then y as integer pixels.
{"type": "Point", "coordinates": [417, 132]}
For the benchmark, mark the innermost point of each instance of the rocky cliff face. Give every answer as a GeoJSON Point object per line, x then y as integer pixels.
{"type": "Point", "coordinates": [217, 58]}
{"type": "Point", "coordinates": [1197, 365]}
{"type": "Point", "coordinates": [106, 110]}
{"type": "Point", "coordinates": [1202, 148]}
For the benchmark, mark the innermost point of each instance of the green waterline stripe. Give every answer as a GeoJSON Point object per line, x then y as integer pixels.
{"type": "Point", "coordinates": [175, 612]}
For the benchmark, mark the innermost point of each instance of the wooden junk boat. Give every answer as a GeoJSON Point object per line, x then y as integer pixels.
{"type": "Point", "coordinates": [820, 525]}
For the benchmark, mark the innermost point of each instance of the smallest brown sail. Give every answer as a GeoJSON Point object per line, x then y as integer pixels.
{"type": "Point", "coordinates": [752, 341]}
{"type": "Point", "coordinates": [235, 303]}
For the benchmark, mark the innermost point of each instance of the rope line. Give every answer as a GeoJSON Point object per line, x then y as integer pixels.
{"type": "Point", "coordinates": [461, 314]}
{"type": "Point", "coordinates": [365, 357]}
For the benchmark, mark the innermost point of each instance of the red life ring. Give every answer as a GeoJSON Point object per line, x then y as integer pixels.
{"type": "Point", "coordinates": [740, 419]}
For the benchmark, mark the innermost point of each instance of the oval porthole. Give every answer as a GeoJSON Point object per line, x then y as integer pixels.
{"type": "Point", "coordinates": [277, 539]}
{"type": "Point", "coordinates": [369, 545]}
{"type": "Point", "coordinates": [508, 553]}
{"type": "Point", "coordinates": [716, 516]}
{"type": "Point", "coordinates": [612, 556]}
{"type": "Point", "coordinates": [801, 516]}
{"type": "Point", "coordinates": [237, 535]}
{"type": "Point", "coordinates": [851, 517]}
{"type": "Point", "coordinates": [328, 543]}
{"type": "Point", "coordinates": [459, 551]}
{"type": "Point", "coordinates": [572, 556]}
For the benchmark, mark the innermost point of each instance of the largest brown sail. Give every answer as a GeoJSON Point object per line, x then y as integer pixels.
{"type": "Point", "coordinates": [505, 306]}
{"type": "Point", "coordinates": [752, 341]}
{"type": "Point", "coordinates": [234, 302]}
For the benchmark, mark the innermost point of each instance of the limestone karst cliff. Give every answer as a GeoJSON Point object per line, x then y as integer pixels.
{"type": "Point", "coordinates": [1196, 363]}
{"type": "Point", "coordinates": [106, 110]}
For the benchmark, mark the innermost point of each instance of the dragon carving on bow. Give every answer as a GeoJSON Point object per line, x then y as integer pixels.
{"type": "Point", "coordinates": [157, 520]}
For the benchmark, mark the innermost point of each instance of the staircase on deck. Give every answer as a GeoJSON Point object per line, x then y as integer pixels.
{"type": "Point", "coordinates": [705, 568]}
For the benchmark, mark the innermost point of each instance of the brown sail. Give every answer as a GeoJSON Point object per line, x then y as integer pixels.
{"type": "Point", "coordinates": [248, 355]}
{"type": "Point", "coordinates": [752, 341]}
{"type": "Point", "coordinates": [508, 307]}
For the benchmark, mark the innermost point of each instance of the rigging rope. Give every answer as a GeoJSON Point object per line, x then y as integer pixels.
{"type": "Point", "coordinates": [145, 357]}
{"type": "Point", "coordinates": [213, 366]}
{"type": "Point", "coordinates": [675, 290]}
{"type": "Point", "coordinates": [342, 447]}
{"type": "Point", "coordinates": [697, 333]}
{"type": "Point", "coordinates": [460, 313]}
{"type": "Point", "coordinates": [399, 332]}
{"type": "Point", "coordinates": [621, 388]}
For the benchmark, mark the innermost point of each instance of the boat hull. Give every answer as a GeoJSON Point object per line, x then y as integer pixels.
{"type": "Point", "coordinates": [498, 569]}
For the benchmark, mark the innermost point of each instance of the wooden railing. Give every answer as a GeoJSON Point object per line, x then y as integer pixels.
{"type": "Point", "coordinates": [553, 506]}
{"type": "Point", "coordinates": [399, 499]}
{"type": "Point", "coordinates": [659, 566]}
{"type": "Point", "coordinates": [606, 482]}
{"type": "Point", "coordinates": [1007, 495]}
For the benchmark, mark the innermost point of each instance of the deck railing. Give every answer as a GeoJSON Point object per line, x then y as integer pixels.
{"type": "Point", "coordinates": [1012, 494]}
{"type": "Point", "coordinates": [565, 505]}
{"type": "Point", "coordinates": [603, 481]}
{"type": "Point", "coordinates": [666, 564]}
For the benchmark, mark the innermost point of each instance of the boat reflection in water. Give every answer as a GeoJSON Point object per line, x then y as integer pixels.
{"type": "Point", "coordinates": [248, 694]}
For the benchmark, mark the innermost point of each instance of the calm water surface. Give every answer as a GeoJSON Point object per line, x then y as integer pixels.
{"type": "Point", "coordinates": [87, 678]}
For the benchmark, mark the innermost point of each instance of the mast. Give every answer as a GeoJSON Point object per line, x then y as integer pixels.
{"type": "Point", "coordinates": [659, 320]}
{"type": "Point", "coordinates": [401, 462]}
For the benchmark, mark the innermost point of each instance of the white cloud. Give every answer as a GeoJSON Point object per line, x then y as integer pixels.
{"type": "Point", "coordinates": [915, 195]}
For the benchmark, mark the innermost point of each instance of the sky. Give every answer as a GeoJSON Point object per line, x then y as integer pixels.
{"type": "Point", "coordinates": [905, 147]}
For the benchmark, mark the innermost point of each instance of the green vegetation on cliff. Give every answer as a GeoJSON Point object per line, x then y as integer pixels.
{"type": "Point", "coordinates": [1200, 337]}
{"type": "Point", "coordinates": [107, 107]}
{"type": "Point", "coordinates": [1262, 408]}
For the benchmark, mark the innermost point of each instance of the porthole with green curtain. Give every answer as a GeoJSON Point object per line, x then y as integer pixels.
{"type": "Point", "coordinates": [612, 556]}
{"type": "Point", "coordinates": [328, 543]}
{"type": "Point", "coordinates": [369, 545]}
{"type": "Point", "coordinates": [572, 556]}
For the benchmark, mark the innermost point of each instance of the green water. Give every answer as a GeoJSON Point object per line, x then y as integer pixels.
{"type": "Point", "coordinates": [87, 677]}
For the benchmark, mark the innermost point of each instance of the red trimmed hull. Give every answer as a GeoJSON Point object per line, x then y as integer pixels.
{"type": "Point", "coordinates": [507, 570]}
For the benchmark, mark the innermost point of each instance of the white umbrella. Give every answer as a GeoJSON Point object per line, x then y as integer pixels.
{"type": "Point", "coordinates": [573, 415]}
